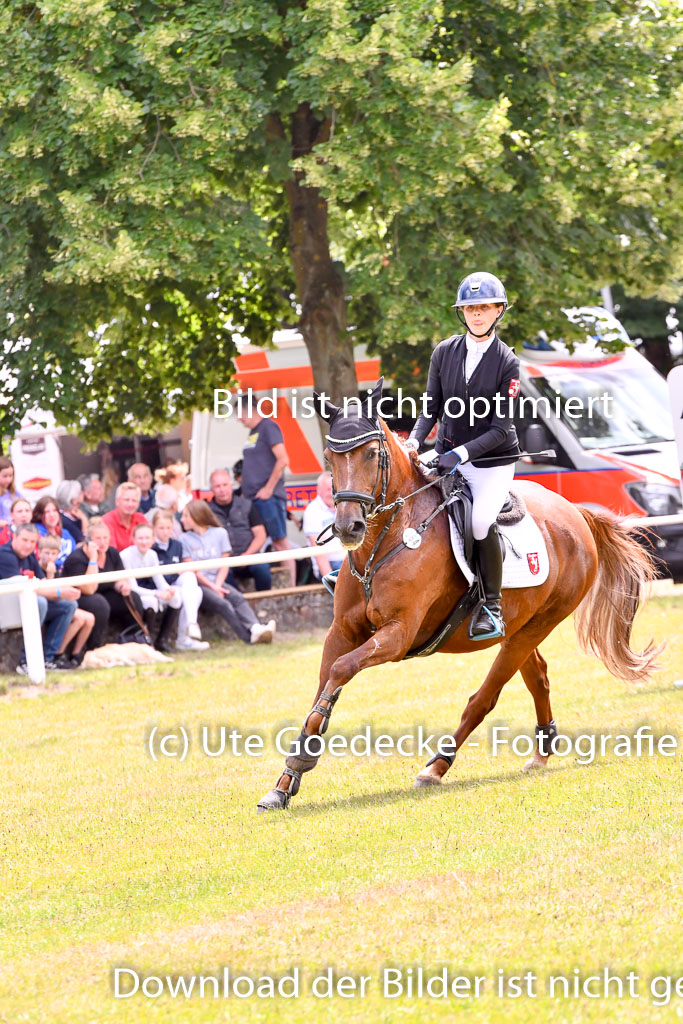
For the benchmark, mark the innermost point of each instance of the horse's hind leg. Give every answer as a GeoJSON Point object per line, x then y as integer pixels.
{"type": "Point", "coordinates": [535, 675]}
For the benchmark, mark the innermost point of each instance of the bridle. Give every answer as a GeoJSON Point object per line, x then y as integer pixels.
{"type": "Point", "coordinates": [370, 506]}
{"type": "Point", "coordinates": [369, 503]}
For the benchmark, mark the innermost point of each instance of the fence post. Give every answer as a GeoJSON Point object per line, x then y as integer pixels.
{"type": "Point", "coordinates": [33, 637]}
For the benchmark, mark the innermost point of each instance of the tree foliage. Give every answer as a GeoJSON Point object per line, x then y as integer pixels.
{"type": "Point", "coordinates": [176, 174]}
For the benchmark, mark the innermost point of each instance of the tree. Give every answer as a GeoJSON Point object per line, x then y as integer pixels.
{"type": "Point", "coordinates": [176, 175]}
{"type": "Point", "coordinates": [645, 321]}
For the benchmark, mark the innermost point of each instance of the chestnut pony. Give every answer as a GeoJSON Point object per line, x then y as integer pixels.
{"type": "Point", "coordinates": [597, 568]}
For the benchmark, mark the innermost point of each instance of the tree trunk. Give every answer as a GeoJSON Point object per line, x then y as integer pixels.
{"type": "Point", "coordinates": [320, 286]}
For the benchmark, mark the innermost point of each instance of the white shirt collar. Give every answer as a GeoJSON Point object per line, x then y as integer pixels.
{"type": "Point", "coordinates": [479, 346]}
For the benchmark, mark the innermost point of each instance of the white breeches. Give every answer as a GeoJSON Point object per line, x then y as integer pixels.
{"type": "Point", "coordinates": [191, 595]}
{"type": "Point", "coordinates": [489, 486]}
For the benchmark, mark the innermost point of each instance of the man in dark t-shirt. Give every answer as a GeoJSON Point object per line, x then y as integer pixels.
{"type": "Point", "coordinates": [245, 527]}
{"type": "Point", "coordinates": [263, 481]}
{"type": "Point", "coordinates": [56, 602]}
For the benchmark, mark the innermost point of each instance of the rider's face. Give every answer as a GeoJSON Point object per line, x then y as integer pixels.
{"type": "Point", "coordinates": [480, 319]}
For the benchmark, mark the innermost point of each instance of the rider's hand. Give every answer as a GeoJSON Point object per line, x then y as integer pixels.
{"type": "Point", "coordinates": [411, 444]}
{"type": "Point", "coordinates": [449, 462]}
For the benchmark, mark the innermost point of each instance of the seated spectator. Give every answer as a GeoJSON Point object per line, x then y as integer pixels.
{"type": "Point", "coordinates": [81, 626]}
{"type": "Point", "coordinates": [56, 602]}
{"type": "Point", "coordinates": [141, 475]}
{"type": "Point", "coordinates": [154, 592]}
{"type": "Point", "coordinates": [205, 538]}
{"type": "Point", "coordinates": [124, 517]}
{"type": "Point", "coordinates": [20, 512]}
{"type": "Point", "coordinates": [69, 495]}
{"type": "Point", "coordinates": [94, 503]}
{"type": "Point", "coordinates": [8, 489]}
{"type": "Point", "coordinates": [167, 499]}
{"type": "Point", "coordinates": [96, 555]}
{"type": "Point", "coordinates": [48, 520]}
{"type": "Point", "coordinates": [170, 551]}
{"type": "Point", "coordinates": [245, 528]}
{"type": "Point", "coordinates": [176, 476]}
{"type": "Point", "coordinates": [318, 514]}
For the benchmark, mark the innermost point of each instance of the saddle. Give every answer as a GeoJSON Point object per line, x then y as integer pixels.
{"type": "Point", "coordinates": [457, 489]}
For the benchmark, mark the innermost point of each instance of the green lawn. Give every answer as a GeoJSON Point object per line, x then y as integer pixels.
{"type": "Point", "coordinates": [112, 859]}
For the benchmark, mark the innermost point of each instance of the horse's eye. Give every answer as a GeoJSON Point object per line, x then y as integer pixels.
{"type": "Point", "coordinates": [371, 454]}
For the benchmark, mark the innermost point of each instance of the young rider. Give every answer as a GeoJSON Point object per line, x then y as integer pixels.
{"type": "Point", "coordinates": [464, 368]}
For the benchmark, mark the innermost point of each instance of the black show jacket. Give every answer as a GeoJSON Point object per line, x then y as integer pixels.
{"type": "Point", "coordinates": [497, 373]}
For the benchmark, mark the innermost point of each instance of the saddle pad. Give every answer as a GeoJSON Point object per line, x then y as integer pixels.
{"type": "Point", "coordinates": [526, 561]}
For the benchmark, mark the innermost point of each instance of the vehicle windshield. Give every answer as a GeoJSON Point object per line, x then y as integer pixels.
{"type": "Point", "coordinates": [638, 413]}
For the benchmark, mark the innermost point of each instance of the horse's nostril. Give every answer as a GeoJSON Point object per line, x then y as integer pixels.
{"type": "Point", "coordinates": [358, 526]}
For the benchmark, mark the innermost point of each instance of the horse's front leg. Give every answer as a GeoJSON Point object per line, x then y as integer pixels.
{"type": "Point", "coordinates": [339, 666]}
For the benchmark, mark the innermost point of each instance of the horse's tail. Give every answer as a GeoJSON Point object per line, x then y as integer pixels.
{"type": "Point", "coordinates": [605, 617]}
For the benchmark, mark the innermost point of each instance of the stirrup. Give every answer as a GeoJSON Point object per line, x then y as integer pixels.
{"type": "Point", "coordinates": [497, 625]}
{"type": "Point", "coordinates": [329, 581]}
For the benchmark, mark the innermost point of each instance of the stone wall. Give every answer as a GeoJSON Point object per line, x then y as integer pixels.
{"type": "Point", "coordinates": [296, 610]}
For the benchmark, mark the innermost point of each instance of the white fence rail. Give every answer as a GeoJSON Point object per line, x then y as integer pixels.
{"type": "Point", "coordinates": [28, 600]}
{"type": "Point", "coordinates": [28, 603]}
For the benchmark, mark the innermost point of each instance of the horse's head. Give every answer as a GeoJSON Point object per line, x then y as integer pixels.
{"type": "Point", "coordinates": [356, 453]}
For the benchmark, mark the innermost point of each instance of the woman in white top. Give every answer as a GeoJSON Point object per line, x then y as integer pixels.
{"type": "Point", "coordinates": [154, 592]}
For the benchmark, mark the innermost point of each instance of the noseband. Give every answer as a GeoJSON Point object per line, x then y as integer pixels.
{"type": "Point", "coordinates": [367, 502]}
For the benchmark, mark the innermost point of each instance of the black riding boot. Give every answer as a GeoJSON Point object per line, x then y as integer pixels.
{"type": "Point", "coordinates": [149, 618]}
{"type": "Point", "coordinates": [488, 622]}
{"type": "Point", "coordinates": [169, 621]}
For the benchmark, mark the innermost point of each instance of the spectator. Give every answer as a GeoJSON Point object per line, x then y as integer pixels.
{"type": "Point", "coordinates": [167, 499]}
{"type": "Point", "coordinates": [176, 476]}
{"type": "Point", "coordinates": [237, 476]}
{"type": "Point", "coordinates": [94, 503]}
{"type": "Point", "coordinates": [56, 603]}
{"type": "Point", "coordinates": [205, 538]}
{"type": "Point", "coordinates": [141, 475]}
{"type": "Point", "coordinates": [69, 497]}
{"type": "Point", "coordinates": [20, 512]}
{"type": "Point", "coordinates": [124, 517]}
{"type": "Point", "coordinates": [170, 551]}
{"type": "Point", "coordinates": [263, 480]}
{"type": "Point", "coordinates": [96, 555]}
{"type": "Point", "coordinates": [154, 591]}
{"type": "Point", "coordinates": [48, 520]}
{"type": "Point", "coordinates": [81, 626]}
{"type": "Point", "coordinates": [8, 490]}
{"type": "Point", "coordinates": [318, 514]}
{"type": "Point", "coordinates": [245, 527]}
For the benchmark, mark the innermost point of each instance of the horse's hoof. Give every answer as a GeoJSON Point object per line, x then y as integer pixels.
{"type": "Point", "coordinates": [535, 761]}
{"type": "Point", "coordinates": [425, 780]}
{"type": "Point", "coordinates": [276, 800]}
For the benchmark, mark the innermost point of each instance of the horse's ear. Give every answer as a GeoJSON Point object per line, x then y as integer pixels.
{"type": "Point", "coordinates": [373, 399]}
{"type": "Point", "coordinates": [326, 409]}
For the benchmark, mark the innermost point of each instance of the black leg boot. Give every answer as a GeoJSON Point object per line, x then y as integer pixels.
{"type": "Point", "coordinates": [488, 623]}
{"type": "Point", "coordinates": [168, 625]}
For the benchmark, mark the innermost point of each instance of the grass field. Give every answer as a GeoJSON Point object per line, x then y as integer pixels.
{"type": "Point", "coordinates": [112, 859]}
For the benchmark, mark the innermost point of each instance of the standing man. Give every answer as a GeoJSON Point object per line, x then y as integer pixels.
{"type": "Point", "coordinates": [263, 479]}
{"type": "Point", "coordinates": [141, 475]}
{"type": "Point", "coordinates": [124, 517]}
{"type": "Point", "coordinates": [245, 527]}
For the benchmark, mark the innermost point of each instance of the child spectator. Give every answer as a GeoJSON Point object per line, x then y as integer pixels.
{"type": "Point", "coordinates": [81, 626]}
{"type": "Point", "coordinates": [170, 551]}
{"type": "Point", "coordinates": [153, 591]}
{"type": "Point", "coordinates": [204, 538]}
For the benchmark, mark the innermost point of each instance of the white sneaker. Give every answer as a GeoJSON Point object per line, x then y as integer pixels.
{"type": "Point", "coordinates": [188, 643]}
{"type": "Point", "coordinates": [263, 634]}
{"type": "Point", "coordinates": [194, 631]}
